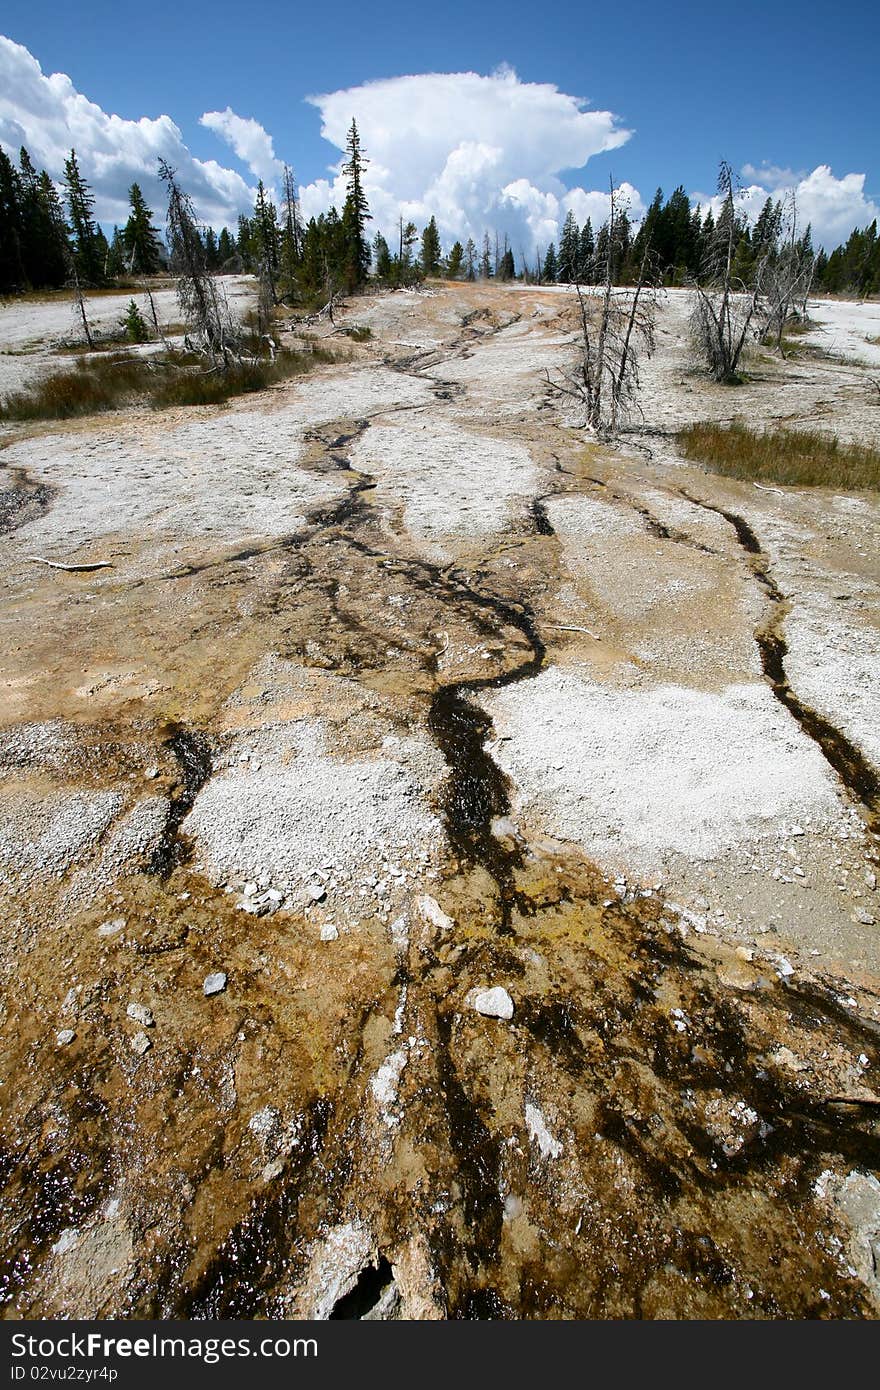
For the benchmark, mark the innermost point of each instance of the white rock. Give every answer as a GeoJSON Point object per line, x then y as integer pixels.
{"type": "Point", "coordinates": [329, 932]}
{"type": "Point", "coordinates": [111, 928]}
{"type": "Point", "coordinates": [66, 1241]}
{"type": "Point", "coordinates": [66, 1036]}
{"type": "Point", "coordinates": [215, 983]}
{"type": "Point", "coordinates": [494, 1003]}
{"type": "Point", "coordinates": [141, 1014]}
{"type": "Point", "coordinates": [386, 1081]}
{"type": "Point", "coordinates": [536, 1125]}
{"type": "Point", "coordinates": [432, 913]}
{"type": "Point", "coordinates": [315, 892]}
{"type": "Point", "coordinates": [863, 917]}
{"type": "Point", "coordinates": [140, 1044]}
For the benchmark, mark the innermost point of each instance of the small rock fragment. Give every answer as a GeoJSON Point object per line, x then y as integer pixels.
{"type": "Point", "coordinates": [431, 911]}
{"type": "Point", "coordinates": [548, 1145]}
{"type": "Point", "coordinates": [494, 1003]}
{"type": "Point", "coordinates": [863, 917]}
{"type": "Point", "coordinates": [329, 932]}
{"type": "Point", "coordinates": [111, 928]}
{"type": "Point", "coordinates": [66, 1036]}
{"type": "Point", "coordinates": [215, 983]}
{"type": "Point", "coordinates": [141, 1014]}
{"type": "Point", "coordinates": [140, 1044]}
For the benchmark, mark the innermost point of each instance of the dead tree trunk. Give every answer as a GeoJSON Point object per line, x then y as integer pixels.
{"type": "Point", "coordinates": [617, 331]}
{"type": "Point", "coordinates": [80, 307]}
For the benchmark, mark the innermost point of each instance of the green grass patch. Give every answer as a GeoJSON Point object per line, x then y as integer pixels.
{"type": "Point", "coordinates": [794, 458]}
{"type": "Point", "coordinates": [160, 380]}
{"type": "Point", "coordinates": [358, 332]}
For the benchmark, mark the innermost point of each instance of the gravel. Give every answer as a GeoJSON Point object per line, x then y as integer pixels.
{"type": "Point", "coordinates": [634, 774]}
{"type": "Point", "coordinates": [303, 808]}
{"type": "Point", "coordinates": [43, 832]}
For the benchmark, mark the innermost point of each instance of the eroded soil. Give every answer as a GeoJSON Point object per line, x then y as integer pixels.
{"type": "Point", "coordinates": [398, 688]}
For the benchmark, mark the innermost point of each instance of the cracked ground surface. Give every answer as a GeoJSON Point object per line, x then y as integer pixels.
{"type": "Point", "coordinates": [399, 689]}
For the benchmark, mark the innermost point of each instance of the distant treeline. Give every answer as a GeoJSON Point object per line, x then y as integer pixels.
{"type": "Point", "coordinates": [50, 239]}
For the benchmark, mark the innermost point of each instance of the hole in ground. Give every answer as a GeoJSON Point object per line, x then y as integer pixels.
{"type": "Point", "coordinates": [372, 1282]}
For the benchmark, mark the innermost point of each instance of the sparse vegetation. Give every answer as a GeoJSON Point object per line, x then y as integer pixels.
{"type": "Point", "coordinates": [169, 379]}
{"type": "Point", "coordinates": [794, 458]}
{"type": "Point", "coordinates": [358, 332]}
{"type": "Point", "coordinates": [136, 330]}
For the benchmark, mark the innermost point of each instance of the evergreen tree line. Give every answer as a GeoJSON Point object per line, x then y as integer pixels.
{"type": "Point", "coordinates": [49, 239]}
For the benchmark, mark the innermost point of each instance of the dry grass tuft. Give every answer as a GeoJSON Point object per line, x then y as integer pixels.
{"type": "Point", "coordinates": [110, 382]}
{"type": "Point", "coordinates": [794, 458]}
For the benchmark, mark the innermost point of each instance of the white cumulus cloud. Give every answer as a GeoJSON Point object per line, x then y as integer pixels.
{"type": "Point", "coordinates": [479, 153]}
{"type": "Point", "coordinates": [252, 144]}
{"type": "Point", "coordinates": [831, 205]}
{"type": "Point", "coordinates": [49, 116]}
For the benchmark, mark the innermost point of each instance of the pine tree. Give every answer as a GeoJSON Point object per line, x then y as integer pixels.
{"type": "Point", "coordinates": [45, 252]}
{"type": "Point", "coordinates": [485, 261]}
{"type": "Point", "coordinates": [117, 261]}
{"type": "Point", "coordinates": [244, 242]}
{"type": "Point", "coordinates": [356, 212]}
{"type": "Point", "coordinates": [381, 258]}
{"type": "Point", "coordinates": [292, 228]}
{"type": "Point", "coordinates": [133, 324]}
{"type": "Point", "coordinates": [406, 272]}
{"type": "Point", "coordinates": [586, 253]}
{"type": "Point", "coordinates": [88, 253]}
{"type": "Point", "coordinates": [265, 240]}
{"type": "Point", "coordinates": [550, 268]}
{"type": "Point", "coordinates": [290, 253]}
{"type": "Point", "coordinates": [12, 272]}
{"type": "Point", "coordinates": [470, 260]}
{"type": "Point", "coordinates": [102, 251]}
{"type": "Point", "coordinates": [225, 247]}
{"type": "Point", "coordinates": [430, 257]}
{"type": "Point", "coordinates": [140, 236]}
{"type": "Point", "coordinates": [506, 266]}
{"type": "Point", "coordinates": [212, 255]}
{"type": "Point", "coordinates": [454, 264]}
{"type": "Point", "coordinates": [569, 246]}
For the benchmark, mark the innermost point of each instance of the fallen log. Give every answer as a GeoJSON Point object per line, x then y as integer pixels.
{"type": "Point", "coordinates": [73, 569]}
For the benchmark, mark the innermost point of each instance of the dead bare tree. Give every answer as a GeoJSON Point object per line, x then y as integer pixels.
{"type": "Point", "coordinates": [79, 304]}
{"type": "Point", "coordinates": [727, 312]}
{"type": "Point", "coordinates": [209, 323]}
{"type": "Point", "coordinates": [789, 278]}
{"type": "Point", "coordinates": [617, 333]}
{"type": "Point", "coordinates": [154, 316]}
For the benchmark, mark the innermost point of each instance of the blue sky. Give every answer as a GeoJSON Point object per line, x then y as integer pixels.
{"type": "Point", "coordinates": [804, 78]}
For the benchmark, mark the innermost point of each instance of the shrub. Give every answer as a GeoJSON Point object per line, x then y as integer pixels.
{"type": "Point", "coordinates": [135, 328]}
